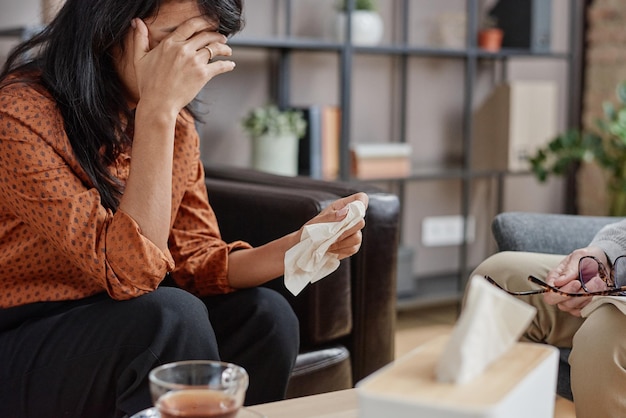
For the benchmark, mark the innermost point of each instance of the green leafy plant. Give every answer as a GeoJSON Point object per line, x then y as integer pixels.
{"type": "Point", "coordinates": [271, 120]}
{"type": "Point", "coordinates": [358, 5]}
{"type": "Point", "coordinates": [489, 22]}
{"type": "Point", "coordinates": [605, 145]}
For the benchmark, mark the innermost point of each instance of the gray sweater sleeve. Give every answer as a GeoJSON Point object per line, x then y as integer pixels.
{"type": "Point", "coordinates": [612, 239]}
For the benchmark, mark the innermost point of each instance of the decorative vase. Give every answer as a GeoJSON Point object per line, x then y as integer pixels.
{"type": "Point", "coordinates": [50, 8]}
{"type": "Point", "coordinates": [490, 39]}
{"type": "Point", "coordinates": [367, 27]}
{"type": "Point", "coordinates": [275, 154]}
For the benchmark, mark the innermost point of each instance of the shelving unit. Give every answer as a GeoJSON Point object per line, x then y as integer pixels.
{"type": "Point", "coordinates": [471, 56]}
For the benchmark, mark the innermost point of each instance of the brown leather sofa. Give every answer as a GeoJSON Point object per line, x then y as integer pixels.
{"type": "Point", "coordinates": [347, 320]}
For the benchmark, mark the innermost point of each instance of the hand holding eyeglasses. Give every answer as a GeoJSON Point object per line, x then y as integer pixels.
{"type": "Point", "coordinates": [577, 273]}
{"type": "Point", "coordinates": [581, 274]}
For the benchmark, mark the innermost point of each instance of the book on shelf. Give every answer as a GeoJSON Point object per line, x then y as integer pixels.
{"type": "Point", "coordinates": [318, 151]}
{"type": "Point", "coordinates": [380, 160]}
{"type": "Point", "coordinates": [331, 137]}
{"type": "Point", "coordinates": [310, 146]}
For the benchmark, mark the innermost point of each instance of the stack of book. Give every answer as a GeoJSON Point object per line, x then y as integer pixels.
{"type": "Point", "coordinates": [380, 160]}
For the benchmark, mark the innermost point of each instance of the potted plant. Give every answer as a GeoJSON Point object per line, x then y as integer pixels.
{"type": "Point", "coordinates": [275, 135]}
{"type": "Point", "coordinates": [490, 36]}
{"type": "Point", "coordinates": [604, 146]}
{"type": "Point", "coordinates": [359, 5]}
{"type": "Point", "coordinates": [367, 25]}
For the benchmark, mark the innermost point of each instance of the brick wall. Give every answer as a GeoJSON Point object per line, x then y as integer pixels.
{"type": "Point", "coordinates": [606, 55]}
{"type": "Point", "coordinates": [605, 67]}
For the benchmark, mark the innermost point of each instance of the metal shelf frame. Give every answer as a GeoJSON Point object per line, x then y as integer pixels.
{"type": "Point", "coordinates": [472, 57]}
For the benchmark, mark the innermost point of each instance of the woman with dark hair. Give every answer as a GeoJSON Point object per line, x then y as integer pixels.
{"type": "Point", "coordinates": [112, 260]}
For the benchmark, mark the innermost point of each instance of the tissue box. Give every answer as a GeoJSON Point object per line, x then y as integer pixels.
{"type": "Point", "coordinates": [521, 383]}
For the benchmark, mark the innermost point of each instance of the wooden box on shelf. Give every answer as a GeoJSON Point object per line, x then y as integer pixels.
{"type": "Point", "coordinates": [513, 121]}
{"type": "Point", "coordinates": [380, 160]}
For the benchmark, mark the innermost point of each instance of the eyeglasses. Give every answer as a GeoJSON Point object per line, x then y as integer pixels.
{"type": "Point", "coordinates": [589, 267]}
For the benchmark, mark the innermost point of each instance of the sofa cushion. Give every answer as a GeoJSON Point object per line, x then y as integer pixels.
{"type": "Point", "coordinates": [547, 233]}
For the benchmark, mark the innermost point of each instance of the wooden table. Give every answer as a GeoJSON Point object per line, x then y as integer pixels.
{"type": "Point", "coordinates": [343, 404]}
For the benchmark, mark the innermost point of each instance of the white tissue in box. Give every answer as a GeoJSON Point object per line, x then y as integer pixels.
{"type": "Point", "coordinates": [519, 384]}
{"type": "Point", "coordinates": [491, 322]}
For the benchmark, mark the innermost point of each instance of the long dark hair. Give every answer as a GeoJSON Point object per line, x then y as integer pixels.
{"type": "Point", "coordinates": [73, 54]}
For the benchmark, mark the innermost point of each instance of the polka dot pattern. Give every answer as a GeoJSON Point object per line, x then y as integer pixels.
{"type": "Point", "coordinates": [57, 241]}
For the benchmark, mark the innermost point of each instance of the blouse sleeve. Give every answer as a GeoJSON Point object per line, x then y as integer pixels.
{"type": "Point", "coordinates": [50, 196]}
{"type": "Point", "coordinates": [196, 245]}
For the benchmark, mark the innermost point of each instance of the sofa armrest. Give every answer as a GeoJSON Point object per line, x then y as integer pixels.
{"type": "Point", "coordinates": [372, 269]}
{"type": "Point", "coordinates": [545, 233]}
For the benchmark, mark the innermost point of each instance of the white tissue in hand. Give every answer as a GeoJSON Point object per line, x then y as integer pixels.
{"type": "Point", "coordinates": [491, 322]}
{"type": "Point", "coordinates": [308, 261]}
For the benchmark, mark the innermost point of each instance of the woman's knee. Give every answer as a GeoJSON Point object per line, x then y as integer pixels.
{"type": "Point", "coordinates": [175, 323]}
{"type": "Point", "coordinates": [269, 324]}
{"type": "Point", "coordinates": [170, 305]}
{"type": "Point", "coordinates": [275, 315]}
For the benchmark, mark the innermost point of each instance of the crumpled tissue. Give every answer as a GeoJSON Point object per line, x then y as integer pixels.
{"type": "Point", "coordinates": [308, 261]}
{"type": "Point", "coordinates": [491, 322]}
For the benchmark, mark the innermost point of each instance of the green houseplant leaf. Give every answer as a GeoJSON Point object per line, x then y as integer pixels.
{"type": "Point", "coordinates": [271, 120]}
{"type": "Point", "coordinates": [606, 146]}
{"type": "Point", "coordinates": [358, 5]}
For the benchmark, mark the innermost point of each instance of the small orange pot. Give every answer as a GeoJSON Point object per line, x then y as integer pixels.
{"type": "Point", "coordinates": [490, 39]}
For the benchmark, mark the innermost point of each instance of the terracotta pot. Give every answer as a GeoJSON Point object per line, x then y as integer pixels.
{"type": "Point", "coordinates": [490, 39]}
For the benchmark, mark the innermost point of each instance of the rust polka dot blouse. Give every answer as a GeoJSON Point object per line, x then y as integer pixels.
{"type": "Point", "coordinates": [57, 242]}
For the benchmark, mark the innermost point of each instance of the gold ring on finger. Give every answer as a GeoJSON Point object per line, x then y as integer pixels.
{"type": "Point", "coordinates": [208, 48]}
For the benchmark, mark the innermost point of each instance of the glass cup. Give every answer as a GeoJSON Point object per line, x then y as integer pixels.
{"type": "Point", "coordinates": [198, 389]}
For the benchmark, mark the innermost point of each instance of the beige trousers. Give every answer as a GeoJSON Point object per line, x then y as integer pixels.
{"type": "Point", "coordinates": [598, 358]}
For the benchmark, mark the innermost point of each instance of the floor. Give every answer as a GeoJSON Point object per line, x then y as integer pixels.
{"type": "Point", "coordinates": [417, 326]}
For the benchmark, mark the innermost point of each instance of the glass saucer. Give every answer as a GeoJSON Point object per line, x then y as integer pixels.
{"type": "Point", "coordinates": [153, 413]}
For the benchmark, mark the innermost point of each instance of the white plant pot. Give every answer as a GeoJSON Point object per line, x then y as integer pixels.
{"type": "Point", "coordinates": [278, 155]}
{"type": "Point", "coordinates": [367, 28]}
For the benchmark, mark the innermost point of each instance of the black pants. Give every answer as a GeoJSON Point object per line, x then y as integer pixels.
{"type": "Point", "coordinates": [91, 358]}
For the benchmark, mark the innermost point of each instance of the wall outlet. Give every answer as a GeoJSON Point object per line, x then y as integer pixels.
{"type": "Point", "coordinates": [439, 231]}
